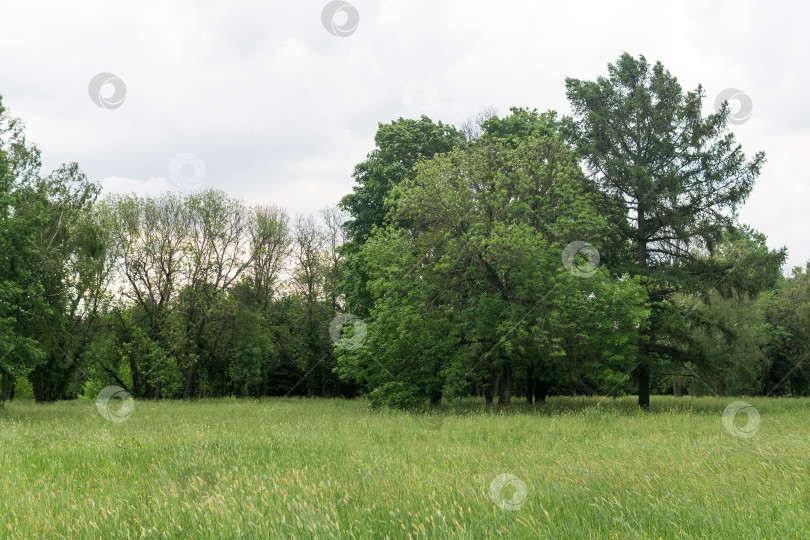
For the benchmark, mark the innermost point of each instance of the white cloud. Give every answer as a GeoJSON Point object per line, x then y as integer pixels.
{"type": "Point", "coordinates": [280, 110]}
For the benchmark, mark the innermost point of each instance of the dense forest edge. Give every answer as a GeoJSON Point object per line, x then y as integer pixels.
{"type": "Point", "coordinates": [522, 256]}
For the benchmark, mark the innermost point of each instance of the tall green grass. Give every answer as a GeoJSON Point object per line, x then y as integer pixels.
{"type": "Point", "coordinates": [592, 468]}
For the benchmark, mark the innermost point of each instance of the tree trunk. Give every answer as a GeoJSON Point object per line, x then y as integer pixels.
{"type": "Point", "coordinates": [436, 393]}
{"type": "Point", "coordinates": [541, 389]}
{"type": "Point", "coordinates": [492, 388]}
{"type": "Point", "coordinates": [505, 387]}
{"type": "Point", "coordinates": [643, 377]}
{"type": "Point", "coordinates": [136, 381]}
{"type": "Point", "coordinates": [643, 368]}
{"type": "Point", "coordinates": [39, 382]}
{"type": "Point", "coordinates": [530, 385]}
{"type": "Point", "coordinates": [192, 374]}
{"type": "Point", "coordinates": [6, 387]}
{"type": "Point", "coordinates": [677, 387]}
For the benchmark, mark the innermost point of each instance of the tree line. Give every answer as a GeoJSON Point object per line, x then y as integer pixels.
{"type": "Point", "coordinates": [526, 255]}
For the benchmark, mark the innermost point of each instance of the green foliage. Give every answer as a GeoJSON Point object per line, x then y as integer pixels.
{"type": "Point", "coordinates": [48, 263]}
{"type": "Point", "coordinates": [474, 289]}
{"type": "Point", "coordinates": [727, 323]}
{"type": "Point", "coordinates": [453, 252]}
{"type": "Point", "coordinates": [788, 369]}
{"type": "Point", "coordinates": [729, 349]}
{"type": "Point", "coordinates": [678, 176]}
{"type": "Point", "coordinates": [400, 146]}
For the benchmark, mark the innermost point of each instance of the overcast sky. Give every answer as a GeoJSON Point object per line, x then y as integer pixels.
{"type": "Point", "coordinates": [262, 99]}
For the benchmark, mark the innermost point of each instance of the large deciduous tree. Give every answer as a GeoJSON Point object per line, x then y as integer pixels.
{"type": "Point", "coordinates": [49, 274]}
{"type": "Point", "coordinates": [468, 282]}
{"type": "Point", "coordinates": [400, 145]}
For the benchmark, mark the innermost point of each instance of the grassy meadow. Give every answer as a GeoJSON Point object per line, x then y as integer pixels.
{"type": "Point", "coordinates": [299, 468]}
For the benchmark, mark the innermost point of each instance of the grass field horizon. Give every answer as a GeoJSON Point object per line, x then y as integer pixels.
{"type": "Point", "coordinates": [585, 467]}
